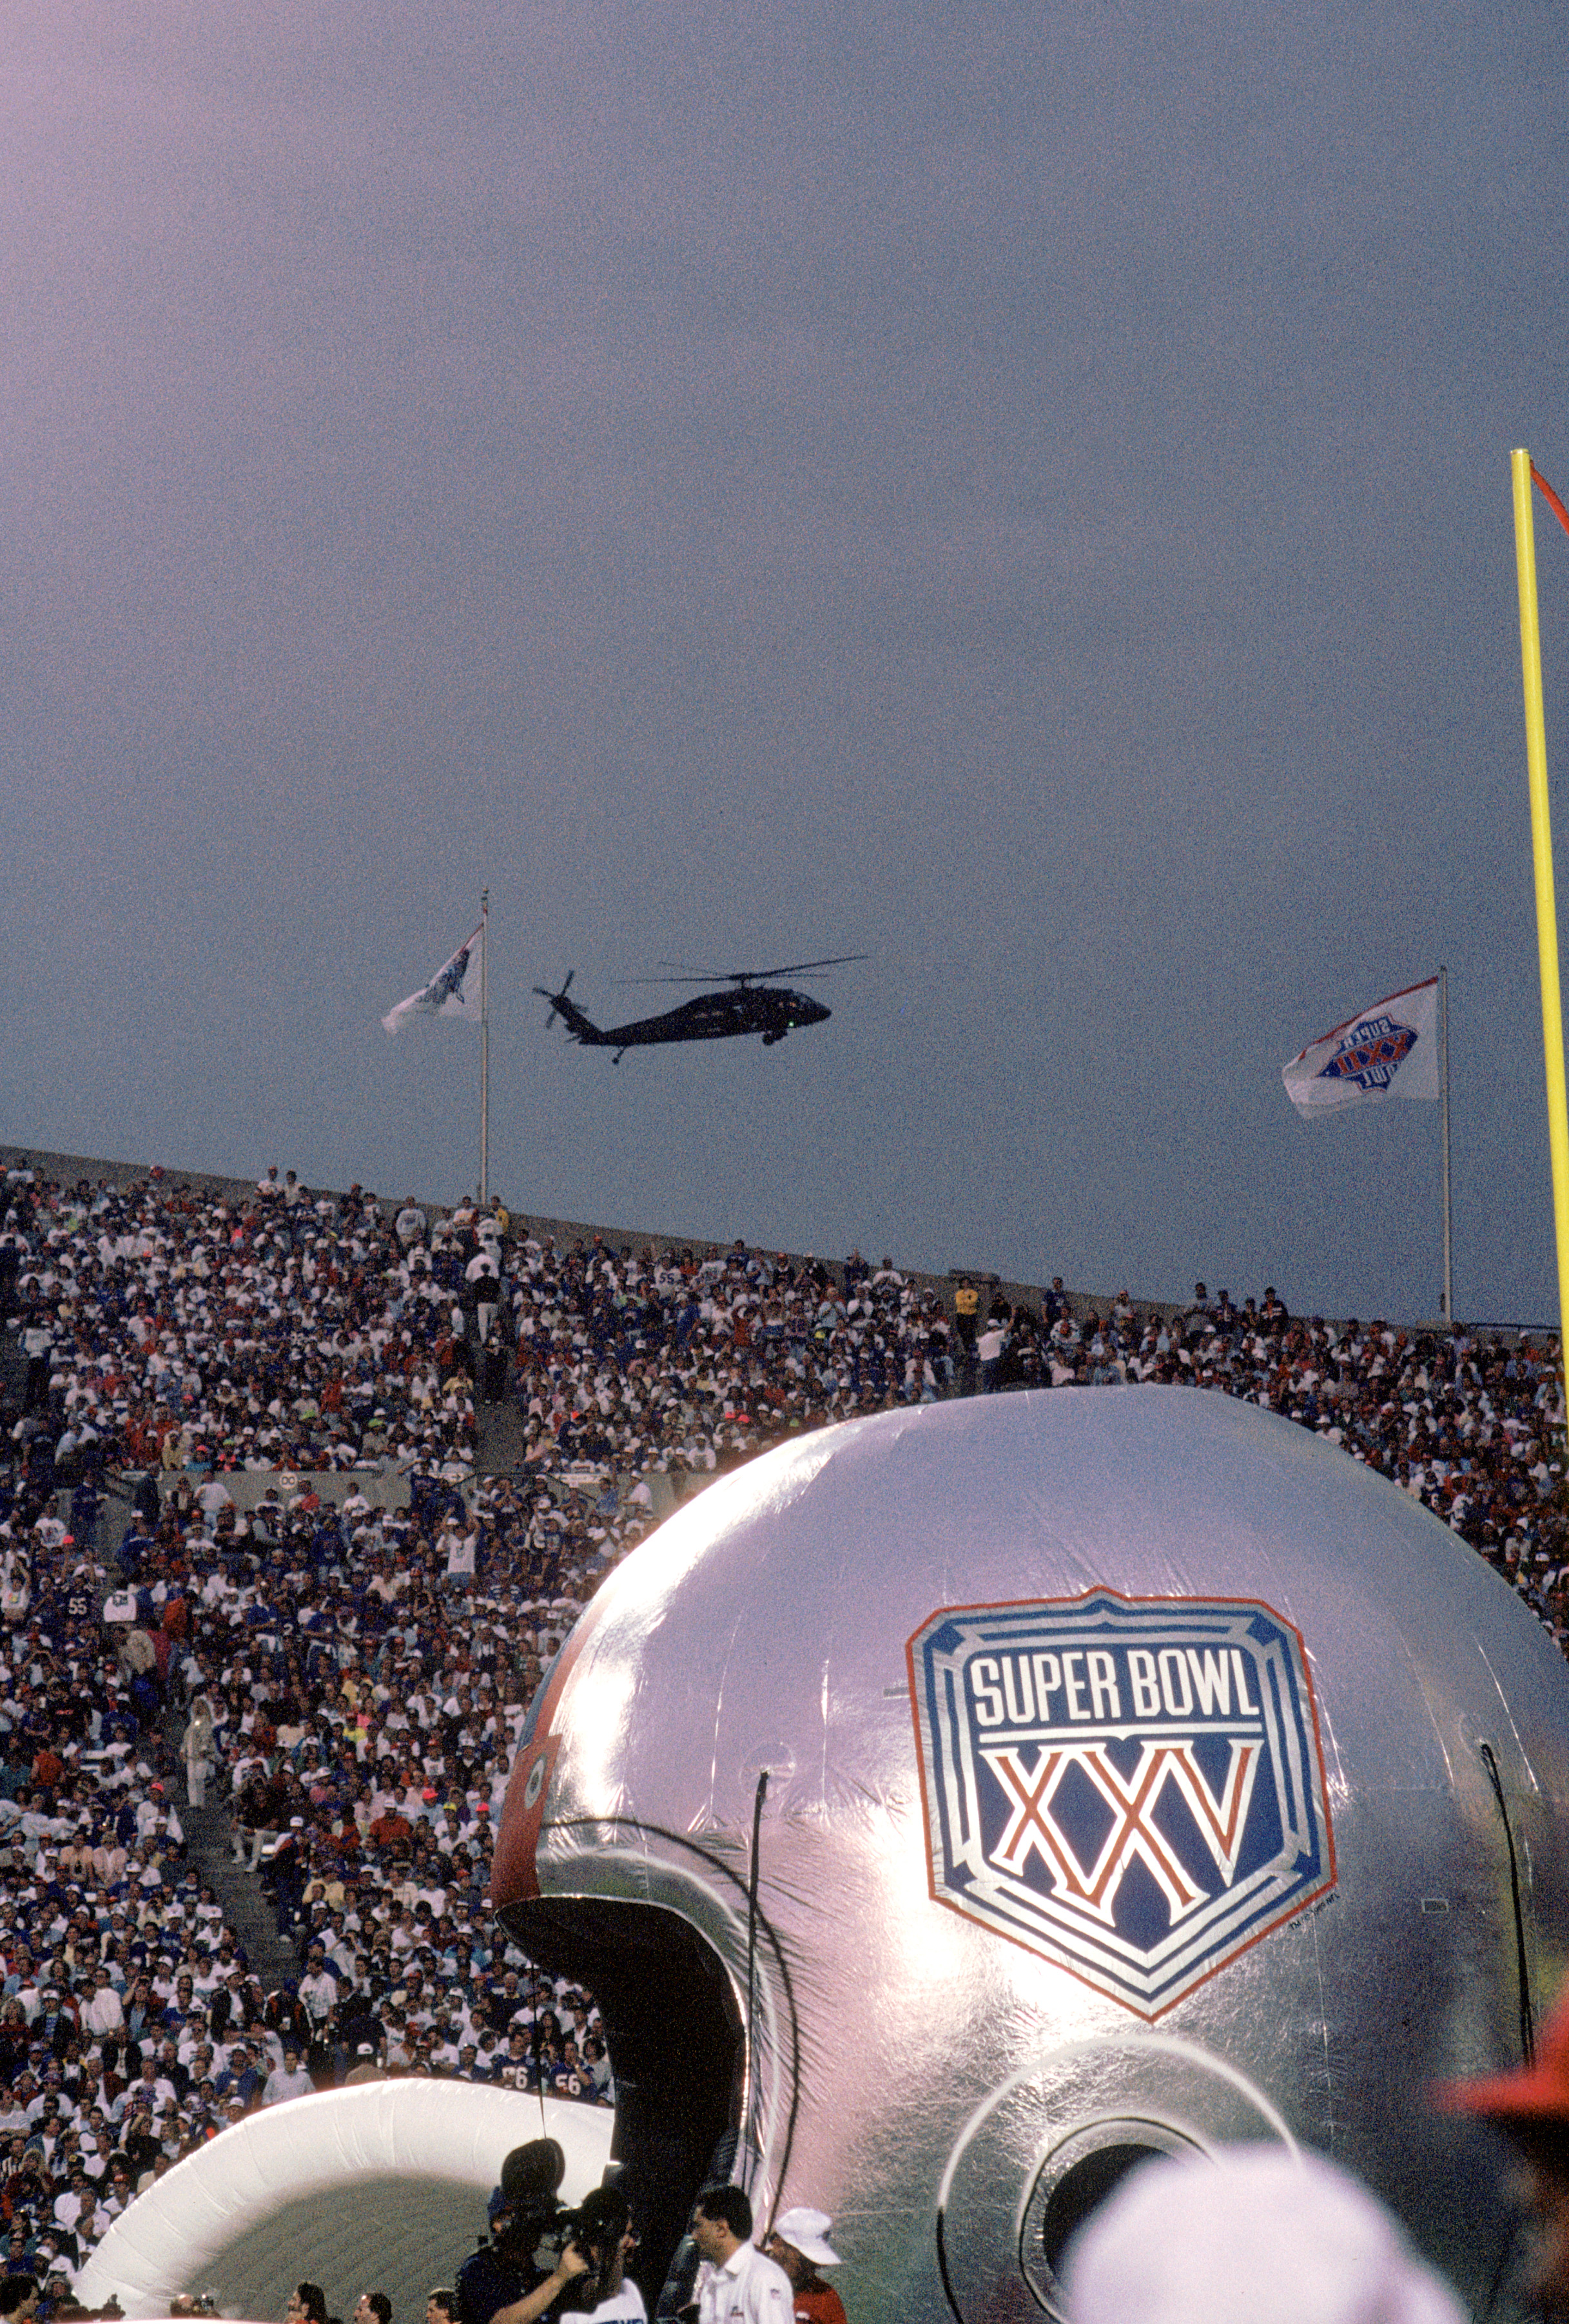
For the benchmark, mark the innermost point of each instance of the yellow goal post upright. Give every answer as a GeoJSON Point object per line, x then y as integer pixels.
{"type": "Point", "coordinates": [1522, 472]}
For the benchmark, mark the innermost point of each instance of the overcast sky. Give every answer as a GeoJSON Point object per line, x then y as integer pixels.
{"type": "Point", "coordinates": [1020, 493]}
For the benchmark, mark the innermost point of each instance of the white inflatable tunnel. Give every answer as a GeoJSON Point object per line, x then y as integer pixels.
{"type": "Point", "coordinates": [382, 2188]}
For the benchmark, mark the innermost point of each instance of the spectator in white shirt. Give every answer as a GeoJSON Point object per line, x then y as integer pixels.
{"type": "Point", "coordinates": [289, 2081]}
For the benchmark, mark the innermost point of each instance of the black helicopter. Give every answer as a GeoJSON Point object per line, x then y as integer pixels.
{"type": "Point", "coordinates": [752, 1005]}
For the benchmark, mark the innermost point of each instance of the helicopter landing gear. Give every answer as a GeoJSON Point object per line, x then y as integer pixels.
{"type": "Point", "coordinates": [769, 1038]}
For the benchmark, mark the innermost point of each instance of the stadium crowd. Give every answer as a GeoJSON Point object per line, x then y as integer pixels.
{"type": "Point", "coordinates": [348, 1666]}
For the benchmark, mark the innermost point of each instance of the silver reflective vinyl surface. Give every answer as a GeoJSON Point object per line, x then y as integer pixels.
{"type": "Point", "coordinates": [1130, 1764]}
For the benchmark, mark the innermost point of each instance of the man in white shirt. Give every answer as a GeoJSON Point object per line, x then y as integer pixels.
{"type": "Point", "coordinates": [739, 2285]}
{"type": "Point", "coordinates": [989, 1347]}
{"type": "Point", "coordinates": [289, 2081]}
{"type": "Point", "coordinates": [68, 2207]}
{"type": "Point", "coordinates": [104, 2014]}
{"type": "Point", "coordinates": [318, 1988]}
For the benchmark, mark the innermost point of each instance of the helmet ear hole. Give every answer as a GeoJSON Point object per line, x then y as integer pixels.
{"type": "Point", "coordinates": [1063, 2134]}
{"type": "Point", "coordinates": [1082, 2171]}
{"type": "Point", "coordinates": [1083, 2187]}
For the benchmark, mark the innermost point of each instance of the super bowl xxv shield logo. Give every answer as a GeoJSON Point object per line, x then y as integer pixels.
{"type": "Point", "coordinates": [1131, 1787]}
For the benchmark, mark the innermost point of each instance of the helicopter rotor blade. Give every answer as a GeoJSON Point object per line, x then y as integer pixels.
{"type": "Point", "coordinates": [837, 960]}
{"type": "Point", "coordinates": [739, 975]}
{"type": "Point", "coordinates": [666, 979]}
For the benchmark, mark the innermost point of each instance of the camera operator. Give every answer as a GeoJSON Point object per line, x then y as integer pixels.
{"type": "Point", "coordinates": [504, 2282]}
{"type": "Point", "coordinates": [602, 2234]}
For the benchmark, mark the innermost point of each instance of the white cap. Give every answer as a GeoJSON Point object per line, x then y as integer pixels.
{"type": "Point", "coordinates": [805, 2231]}
{"type": "Point", "coordinates": [1255, 2237]}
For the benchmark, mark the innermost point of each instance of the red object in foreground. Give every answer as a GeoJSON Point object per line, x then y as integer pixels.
{"type": "Point", "coordinates": [1550, 496]}
{"type": "Point", "coordinates": [1537, 2092]}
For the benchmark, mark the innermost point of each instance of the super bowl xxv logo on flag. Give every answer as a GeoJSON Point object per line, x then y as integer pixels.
{"type": "Point", "coordinates": [1131, 1787]}
{"type": "Point", "coordinates": [1372, 1054]}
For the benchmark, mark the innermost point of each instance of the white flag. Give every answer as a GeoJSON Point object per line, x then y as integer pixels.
{"type": "Point", "coordinates": [452, 992]}
{"type": "Point", "coordinates": [1389, 1049]}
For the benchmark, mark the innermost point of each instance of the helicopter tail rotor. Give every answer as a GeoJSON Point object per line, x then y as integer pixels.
{"type": "Point", "coordinates": [556, 999]}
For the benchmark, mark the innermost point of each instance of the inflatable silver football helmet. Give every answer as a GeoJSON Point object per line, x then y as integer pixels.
{"type": "Point", "coordinates": [955, 1807]}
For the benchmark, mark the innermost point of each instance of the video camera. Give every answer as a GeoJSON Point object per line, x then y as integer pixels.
{"type": "Point", "coordinates": [527, 2217]}
{"type": "Point", "coordinates": [534, 2223]}
{"type": "Point", "coordinates": [523, 2209]}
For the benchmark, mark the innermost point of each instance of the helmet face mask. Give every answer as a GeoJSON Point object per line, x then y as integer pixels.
{"type": "Point", "coordinates": [673, 2031]}
{"type": "Point", "coordinates": [1112, 1759]}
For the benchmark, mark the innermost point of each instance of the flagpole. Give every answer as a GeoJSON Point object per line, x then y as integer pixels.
{"type": "Point", "coordinates": [485, 1044]}
{"type": "Point", "coordinates": [1542, 858]}
{"type": "Point", "coordinates": [1448, 1239]}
